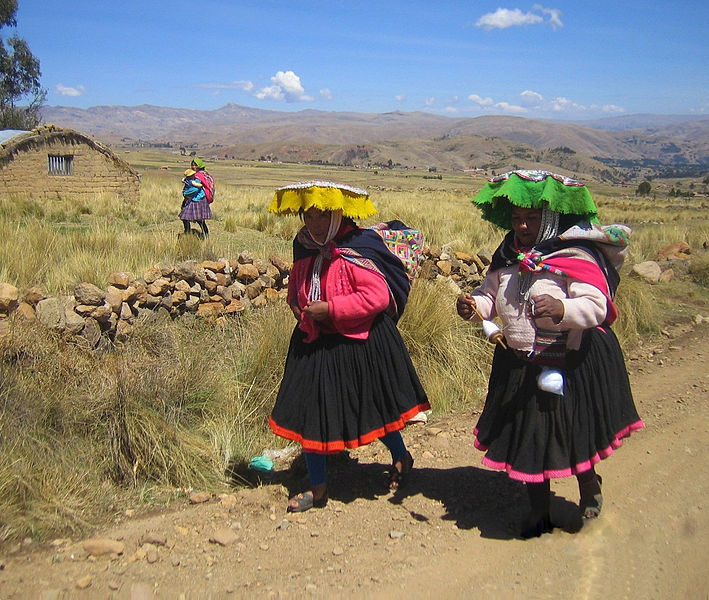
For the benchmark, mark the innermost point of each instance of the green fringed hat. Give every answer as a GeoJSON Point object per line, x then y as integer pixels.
{"type": "Point", "coordinates": [533, 189]}
{"type": "Point", "coordinates": [325, 195]}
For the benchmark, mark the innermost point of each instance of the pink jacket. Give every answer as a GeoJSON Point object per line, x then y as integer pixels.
{"type": "Point", "coordinates": [355, 297]}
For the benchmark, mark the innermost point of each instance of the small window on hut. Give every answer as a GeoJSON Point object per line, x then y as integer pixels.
{"type": "Point", "coordinates": [60, 165]}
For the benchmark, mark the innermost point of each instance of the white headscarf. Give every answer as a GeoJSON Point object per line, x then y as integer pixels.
{"type": "Point", "coordinates": [315, 292]}
{"type": "Point", "coordinates": [548, 229]}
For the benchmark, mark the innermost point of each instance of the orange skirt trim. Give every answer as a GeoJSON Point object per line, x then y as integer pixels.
{"type": "Point", "coordinates": [340, 445]}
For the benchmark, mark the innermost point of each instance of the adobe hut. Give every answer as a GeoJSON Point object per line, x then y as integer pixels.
{"type": "Point", "coordinates": [54, 162]}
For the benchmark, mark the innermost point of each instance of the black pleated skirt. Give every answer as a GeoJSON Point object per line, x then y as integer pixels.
{"type": "Point", "coordinates": [536, 435]}
{"type": "Point", "coordinates": [340, 393]}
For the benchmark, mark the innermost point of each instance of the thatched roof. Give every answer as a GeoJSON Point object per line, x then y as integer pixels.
{"type": "Point", "coordinates": [40, 136]}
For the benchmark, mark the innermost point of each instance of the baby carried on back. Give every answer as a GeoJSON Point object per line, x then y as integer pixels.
{"type": "Point", "coordinates": [193, 190]}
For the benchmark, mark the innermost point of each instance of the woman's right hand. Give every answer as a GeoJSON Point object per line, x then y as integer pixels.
{"type": "Point", "coordinates": [465, 306]}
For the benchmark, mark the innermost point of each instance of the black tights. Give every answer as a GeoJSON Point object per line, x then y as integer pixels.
{"type": "Point", "coordinates": [540, 493]}
{"type": "Point", "coordinates": [538, 521]}
{"type": "Point", "coordinates": [539, 497]}
{"type": "Point", "coordinates": [202, 224]}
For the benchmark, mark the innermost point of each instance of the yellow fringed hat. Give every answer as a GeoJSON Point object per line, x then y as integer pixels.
{"type": "Point", "coordinates": [325, 195]}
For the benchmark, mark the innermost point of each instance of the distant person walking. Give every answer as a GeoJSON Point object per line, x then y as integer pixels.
{"type": "Point", "coordinates": [198, 194]}
{"type": "Point", "coordinates": [559, 399]}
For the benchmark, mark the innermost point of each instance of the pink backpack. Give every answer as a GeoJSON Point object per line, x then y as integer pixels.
{"type": "Point", "coordinates": [208, 183]}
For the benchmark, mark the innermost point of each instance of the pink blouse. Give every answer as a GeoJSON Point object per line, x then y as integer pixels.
{"type": "Point", "coordinates": [355, 296]}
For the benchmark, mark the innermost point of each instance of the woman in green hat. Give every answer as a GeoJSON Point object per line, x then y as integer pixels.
{"type": "Point", "coordinates": [559, 399]}
{"type": "Point", "coordinates": [199, 210]}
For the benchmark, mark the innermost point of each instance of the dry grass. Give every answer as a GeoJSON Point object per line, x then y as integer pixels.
{"type": "Point", "coordinates": [699, 270]}
{"type": "Point", "coordinates": [451, 356]}
{"type": "Point", "coordinates": [83, 434]}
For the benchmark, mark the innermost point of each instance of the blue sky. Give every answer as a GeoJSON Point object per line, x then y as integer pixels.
{"type": "Point", "coordinates": [565, 60]}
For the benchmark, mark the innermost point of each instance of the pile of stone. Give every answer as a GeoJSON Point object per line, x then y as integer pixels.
{"type": "Point", "coordinates": [209, 289]}
{"type": "Point", "coordinates": [462, 271]}
{"type": "Point", "coordinates": [672, 261]}
{"type": "Point", "coordinates": [223, 288]}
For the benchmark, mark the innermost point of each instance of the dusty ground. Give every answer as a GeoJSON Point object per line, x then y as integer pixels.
{"type": "Point", "coordinates": [450, 534]}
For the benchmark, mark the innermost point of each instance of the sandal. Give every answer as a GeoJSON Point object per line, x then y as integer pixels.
{"type": "Point", "coordinates": [591, 498]}
{"type": "Point", "coordinates": [397, 478]}
{"type": "Point", "coordinates": [305, 501]}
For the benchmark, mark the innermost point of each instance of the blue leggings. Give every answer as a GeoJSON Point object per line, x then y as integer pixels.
{"type": "Point", "coordinates": [317, 463]}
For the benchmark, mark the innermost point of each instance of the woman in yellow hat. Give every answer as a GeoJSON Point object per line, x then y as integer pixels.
{"type": "Point", "coordinates": [348, 378]}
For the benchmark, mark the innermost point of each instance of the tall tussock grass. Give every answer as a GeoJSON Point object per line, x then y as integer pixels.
{"type": "Point", "coordinates": [699, 270]}
{"type": "Point", "coordinates": [177, 407]}
{"type": "Point", "coordinates": [173, 409]}
{"type": "Point", "coordinates": [451, 355]}
{"type": "Point", "coordinates": [638, 312]}
{"type": "Point", "coordinates": [85, 434]}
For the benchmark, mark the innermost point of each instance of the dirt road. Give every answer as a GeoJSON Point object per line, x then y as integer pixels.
{"type": "Point", "coordinates": [451, 533]}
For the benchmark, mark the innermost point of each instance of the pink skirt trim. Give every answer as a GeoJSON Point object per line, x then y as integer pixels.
{"type": "Point", "coordinates": [561, 473]}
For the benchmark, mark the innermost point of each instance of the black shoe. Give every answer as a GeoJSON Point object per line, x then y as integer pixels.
{"type": "Point", "coordinates": [535, 528]}
{"type": "Point", "coordinates": [591, 498]}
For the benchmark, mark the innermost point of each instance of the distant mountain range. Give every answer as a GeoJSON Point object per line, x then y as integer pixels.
{"type": "Point", "coordinates": [612, 149]}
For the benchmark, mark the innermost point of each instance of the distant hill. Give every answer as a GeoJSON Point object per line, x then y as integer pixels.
{"type": "Point", "coordinates": [612, 149]}
{"type": "Point", "coordinates": [639, 121]}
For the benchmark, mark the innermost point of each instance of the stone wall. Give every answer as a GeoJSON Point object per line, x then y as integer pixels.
{"type": "Point", "coordinates": [223, 289]}
{"type": "Point", "coordinates": [215, 290]}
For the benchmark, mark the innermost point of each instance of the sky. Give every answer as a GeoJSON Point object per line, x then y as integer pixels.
{"type": "Point", "coordinates": [573, 60]}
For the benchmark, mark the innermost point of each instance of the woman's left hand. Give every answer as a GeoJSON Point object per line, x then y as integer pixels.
{"type": "Point", "coordinates": [317, 311]}
{"type": "Point", "coordinates": [545, 305]}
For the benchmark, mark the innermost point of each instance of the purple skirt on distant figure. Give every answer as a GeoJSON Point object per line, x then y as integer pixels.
{"type": "Point", "coordinates": [196, 211]}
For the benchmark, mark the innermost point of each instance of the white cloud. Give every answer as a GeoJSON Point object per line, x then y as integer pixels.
{"type": "Point", "coordinates": [430, 101]}
{"type": "Point", "coordinates": [286, 86]}
{"type": "Point", "coordinates": [400, 97]}
{"type": "Point", "coordinates": [534, 102]}
{"type": "Point", "coordinates": [487, 103]}
{"type": "Point", "coordinates": [451, 109]}
{"type": "Point", "coordinates": [562, 104]}
{"type": "Point", "coordinates": [503, 18]}
{"type": "Point", "coordinates": [507, 107]}
{"type": "Point", "coordinates": [553, 13]}
{"type": "Point", "coordinates": [480, 101]}
{"type": "Point", "coordinates": [272, 92]}
{"type": "Point", "coordinates": [64, 90]}
{"type": "Point", "coordinates": [530, 98]}
{"type": "Point", "coordinates": [608, 108]}
{"type": "Point", "coordinates": [326, 94]}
